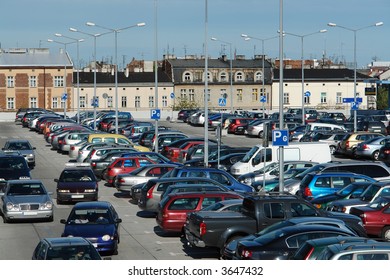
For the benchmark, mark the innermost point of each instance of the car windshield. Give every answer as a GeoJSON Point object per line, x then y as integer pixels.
{"type": "Point", "coordinates": [90, 216]}
{"type": "Point", "coordinates": [213, 207]}
{"type": "Point", "coordinates": [267, 168]}
{"type": "Point", "coordinates": [19, 146]}
{"type": "Point", "coordinates": [66, 252]}
{"type": "Point", "coordinates": [13, 163]}
{"type": "Point", "coordinates": [76, 176]}
{"type": "Point", "coordinates": [346, 190]}
{"type": "Point", "coordinates": [250, 154]}
{"type": "Point", "coordinates": [379, 203]}
{"type": "Point", "coordinates": [25, 189]}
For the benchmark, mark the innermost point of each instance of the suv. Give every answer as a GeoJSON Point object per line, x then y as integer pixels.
{"type": "Point", "coordinates": [314, 185]}
{"type": "Point", "coordinates": [347, 146]}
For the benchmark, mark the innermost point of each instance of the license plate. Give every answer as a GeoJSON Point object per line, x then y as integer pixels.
{"type": "Point", "coordinates": [78, 196]}
{"type": "Point", "coordinates": [30, 213]}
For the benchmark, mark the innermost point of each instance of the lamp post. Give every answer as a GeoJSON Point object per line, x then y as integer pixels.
{"type": "Point", "coordinates": [246, 38]}
{"type": "Point", "coordinates": [116, 31]}
{"type": "Point", "coordinates": [231, 70]}
{"type": "Point", "coordinates": [303, 68]}
{"type": "Point", "coordinates": [331, 24]}
{"type": "Point", "coordinates": [94, 70]}
{"type": "Point", "coordinates": [78, 72]}
{"type": "Point", "coordinates": [65, 97]}
{"type": "Point", "coordinates": [206, 89]}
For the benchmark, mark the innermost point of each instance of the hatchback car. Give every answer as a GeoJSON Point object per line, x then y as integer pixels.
{"type": "Point", "coordinates": [314, 185]}
{"type": "Point", "coordinates": [347, 146]}
{"type": "Point", "coordinates": [96, 221]}
{"type": "Point", "coordinates": [26, 200]}
{"type": "Point", "coordinates": [370, 148]}
{"type": "Point", "coordinates": [77, 184]}
{"type": "Point", "coordinates": [173, 209]}
{"type": "Point", "coordinates": [65, 248]}
{"type": "Point", "coordinates": [23, 147]}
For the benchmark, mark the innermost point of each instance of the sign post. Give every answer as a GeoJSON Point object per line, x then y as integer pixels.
{"type": "Point", "coordinates": [263, 99]}
{"type": "Point", "coordinates": [155, 114]}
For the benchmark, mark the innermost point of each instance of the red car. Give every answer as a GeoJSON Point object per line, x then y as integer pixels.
{"type": "Point", "coordinates": [124, 165]}
{"type": "Point", "coordinates": [375, 217]}
{"type": "Point", "coordinates": [236, 122]}
{"type": "Point", "coordinates": [174, 152]}
{"type": "Point", "coordinates": [173, 209]}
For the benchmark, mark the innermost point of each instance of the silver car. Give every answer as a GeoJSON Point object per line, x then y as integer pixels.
{"type": "Point", "coordinates": [26, 199]}
{"type": "Point", "coordinates": [23, 147]}
{"type": "Point", "coordinates": [370, 148]}
{"type": "Point", "coordinates": [124, 182]}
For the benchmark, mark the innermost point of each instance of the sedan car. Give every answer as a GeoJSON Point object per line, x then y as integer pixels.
{"type": "Point", "coordinates": [370, 148]}
{"type": "Point", "coordinates": [282, 243]}
{"type": "Point", "coordinates": [25, 200]}
{"type": "Point", "coordinates": [65, 248]}
{"type": "Point", "coordinates": [96, 221]}
{"type": "Point", "coordinates": [375, 217]}
{"type": "Point", "coordinates": [23, 147]}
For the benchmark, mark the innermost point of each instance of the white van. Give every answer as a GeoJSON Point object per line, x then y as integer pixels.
{"type": "Point", "coordinates": [254, 158]}
{"type": "Point", "coordinates": [324, 126]}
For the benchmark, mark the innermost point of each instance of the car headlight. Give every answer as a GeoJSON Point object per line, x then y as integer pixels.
{"type": "Point", "coordinates": [248, 180]}
{"type": "Point", "coordinates": [30, 155]}
{"type": "Point", "coordinates": [106, 237]}
{"type": "Point", "coordinates": [63, 191]}
{"type": "Point", "coordinates": [90, 190]}
{"type": "Point", "coordinates": [48, 205]}
{"type": "Point", "coordinates": [12, 207]}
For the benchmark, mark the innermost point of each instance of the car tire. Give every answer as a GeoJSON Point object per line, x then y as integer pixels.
{"type": "Point", "coordinates": [261, 134]}
{"type": "Point", "coordinates": [230, 239]}
{"type": "Point", "coordinates": [386, 233]}
{"type": "Point", "coordinates": [375, 155]}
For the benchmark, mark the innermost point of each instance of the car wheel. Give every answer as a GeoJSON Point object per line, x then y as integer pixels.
{"type": "Point", "coordinates": [332, 150]}
{"type": "Point", "coordinates": [386, 233]}
{"type": "Point", "coordinates": [51, 219]}
{"type": "Point", "coordinates": [375, 155]}
{"type": "Point", "coordinates": [227, 242]}
{"type": "Point", "coordinates": [261, 134]}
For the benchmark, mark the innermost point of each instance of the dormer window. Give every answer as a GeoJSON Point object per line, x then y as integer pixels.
{"type": "Point", "coordinates": [258, 76]}
{"type": "Point", "coordinates": [187, 77]}
{"type": "Point", "coordinates": [223, 77]}
{"type": "Point", "coordinates": [239, 77]}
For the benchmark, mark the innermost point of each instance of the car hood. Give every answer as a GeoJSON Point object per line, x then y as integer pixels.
{"type": "Point", "coordinates": [89, 230]}
{"type": "Point", "coordinates": [349, 202]}
{"type": "Point", "coordinates": [325, 199]}
{"type": "Point", "coordinates": [18, 199]}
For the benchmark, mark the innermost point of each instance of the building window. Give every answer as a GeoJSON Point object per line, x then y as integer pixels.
{"type": "Point", "coordinates": [109, 102]}
{"type": "Point", "coordinates": [165, 101]}
{"type": "Point", "coordinates": [191, 95]}
{"type": "Point", "coordinates": [323, 97]}
{"type": "Point", "coordinates": [10, 103]}
{"type": "Point", "coordinates": [209, 77]}
{"type": "Point", "coordinates": [223, 77]}
{"type": "Point", "coordinates": [124, 101]}
{"type": "Point", "coordinates": [258, 76]}
{"type": "Point", "coordinates": [187, 77]}
{"type": "Point", "coordinates": [58, 81]}
{"type": "Point", "coordinates": [239, 95]}
{"type": "Point", "coordinates": [339, 98]}
{"type": "Point", "coordinates": [239, 77]}
{"type": "Point", "coordinates": [137, 103]}
{"type": "Point", "coordinates": [151, 101]}
{"type": "Point", "coordinates": [33, 81]}
{"type": "Point", "coordinates": [54, 103]}
{"type": "Point", "coordinates": [82, 101]}
{"type": "Point", "coordinates": [33, 102]}
{"type": "Point", "coordinates": [183, 94]}
{"type": "Point", "coordinates": [306, 99]}
{"type": "Point", "coordinates": [10, 81]}
{"type": "Point", "coordinates": [255, 94]}
{"type": "Point", "coordinates": [286, 98]}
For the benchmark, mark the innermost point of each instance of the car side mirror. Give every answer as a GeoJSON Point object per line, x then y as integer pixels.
{"type": "Point", "coordinates": [118, 220]}
{"type": "Point", "coordinates": [63, 221]}
{"type": "Point", "coordinates": [34, 148]}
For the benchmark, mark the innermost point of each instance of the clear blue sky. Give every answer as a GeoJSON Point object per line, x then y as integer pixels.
{"type": "Point", "coordinates": [181, 27]}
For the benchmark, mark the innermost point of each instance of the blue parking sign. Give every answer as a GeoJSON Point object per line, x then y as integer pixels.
{"type": "Point", "coordinates": [280, 137]}
{"type": "Point", "coordinates": [155, 114]}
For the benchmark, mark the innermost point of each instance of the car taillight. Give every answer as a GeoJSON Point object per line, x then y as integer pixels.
{"type": "Point", "coordinates": [307, 192]}
{"type": "Point", "coordinates": [149, 194]}
{"type": "Point", "coordinates": [363, 217]}
{"type": "Point", "coordinates": [246, 254]}
{"type": "Point", "coordinates": [347, 144]}
{"type": "Point", "coordinates": [72, 148]}
{"type": "Point", "coordinates": [93, 164]}
{"type": "Point", "coordinates": [202, 229]}
{"type": "Point", "coordinates": [309, 253]}
{"type": "Point", "coordinates": [120, 180]}
{"type": "Point", "coordinates": [387, 152]}
{"type": "Point", "coordinates": [365, 147]}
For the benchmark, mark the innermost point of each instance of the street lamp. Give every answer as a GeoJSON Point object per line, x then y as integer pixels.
{"type": "Point", "coordinates": [64, 96]}
{"type": "Point", "coordinates": [116, 31]}
{"type": "Point", "coordinates": [331, 24]}
{"type": "Point", "coordinates": [231, 71]}
{"type": "Point", "coordinates": [94, 70]}
{"type": "Point", "coordinates": [246, 38]}
{"type": "Point", "coordinates": [78, 72]}
{"type": "Point", "coordinates": [303, 68]}
{"type": "Point", "coordinates": [206, 88]}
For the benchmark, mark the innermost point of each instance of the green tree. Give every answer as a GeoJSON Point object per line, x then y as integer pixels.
{"type": "Point", "coordinates": [183, 103]}
{"type": "Point", "coordinates": [382, 98]}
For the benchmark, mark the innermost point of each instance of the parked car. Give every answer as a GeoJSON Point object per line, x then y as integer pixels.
{"type": "Point", "coordinates": [347, 146]}
{"type": "Point", "coordinates": [375, 217]}
{"type": "Point", "coordinates": [184, 114]}
{"type": "Point", "coordinates": [234, 205]}
{"type": "Point", "coordinates": [26, 200]}
{"type": "Point", "coordinates": [282, 243]}
{"type": "Point", "coordinates": [124, 182]}
{"type": "Point", "coordinates": [23, 147]}
{"type": "Point", "coordinates": [235, 122]}
{"type": "Point", "coordinates": [180, 188]}
{"type": "Point", "coordinates": [97, 221]}
{"type": "Point", "coordinates": [372, 126]}
{"type": "Point", "coordinates": [225, 162]}
{"type": "Point", "coordinates": [315, 185]}
{"type": "Point", "coordinates": [77, 183]}
{"type": "Point", "coordinates": [370, 148]}
{"type": "Point", "coordinates": [333, 140]}
{"type": "Point", "coordinates": [13, 166]}
{"type": "Point", "coordinates": [65, 248]}
{"type": "Point", "coordinates": [172, 210]}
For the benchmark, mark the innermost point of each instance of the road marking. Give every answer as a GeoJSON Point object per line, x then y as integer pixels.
{"type": "Point", "coordinates": [167, 242]}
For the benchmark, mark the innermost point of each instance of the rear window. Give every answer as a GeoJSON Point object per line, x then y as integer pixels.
{"type": "Point", "coordinates": [189, 203]}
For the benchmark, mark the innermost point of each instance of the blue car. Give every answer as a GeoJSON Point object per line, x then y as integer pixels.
{"type": "Point", "coordinates": [96, 221]}
{"type": "Point", "coordinates": [315, 185]}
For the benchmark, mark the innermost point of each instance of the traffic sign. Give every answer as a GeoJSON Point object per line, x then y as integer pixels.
{"type": "Point", "coordinates": [280, 137]}
{"type": "Point", "coordinates": [95, 102]}
{"type": "Point", "coordinates": [307, 93]}
{"type": "Point", "coordinates": [155, 114]}
{"type": "Point", "coordinates": [172, 95]}
{"type": "Point", "coordinates": [351, 99]}
{"type": "Point", "coordinates": [263, 99]}
{"type": "Point", "coordinates": [355, 106]}
{"type": "Point", "coordinates": [222, 102]}
{"type": "Point", "coordinates": [64, 96]}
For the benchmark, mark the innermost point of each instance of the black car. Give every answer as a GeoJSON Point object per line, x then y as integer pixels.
{"type": "Point", "coordinates": [13, 166]}
{"type": "Point", "coordinates": [225, 162]}
{"type": "Point", "coordinates": [213, 157]}
{"type": "Point", "coordinates": [185, 113]}
{"type": "Point", "coordinates": [77, 184]}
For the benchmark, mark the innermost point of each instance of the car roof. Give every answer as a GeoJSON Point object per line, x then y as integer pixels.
{"type": "Point", "coordinates": [32, 181]}
{"type": "Point", "coordinates": [92, 204]}
{"type": "Point", "coordinates": [205, 193]}
{"type": "Point", "coordinates": [63, 241]}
